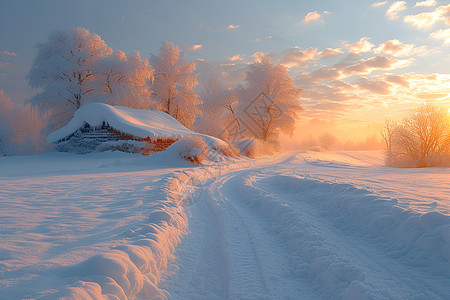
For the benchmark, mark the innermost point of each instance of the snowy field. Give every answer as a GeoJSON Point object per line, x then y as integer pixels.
{"type": "Point", "coordinates": [305, 225]}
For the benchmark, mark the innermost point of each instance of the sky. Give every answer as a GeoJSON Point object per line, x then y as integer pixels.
{"type": "Point", "coordinates": [358, 62]}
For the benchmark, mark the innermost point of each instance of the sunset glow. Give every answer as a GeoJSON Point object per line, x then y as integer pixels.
{"type": "Point", "coordinates": [393, 56]}
{"type": "Point", "coordinates": [208, 149]}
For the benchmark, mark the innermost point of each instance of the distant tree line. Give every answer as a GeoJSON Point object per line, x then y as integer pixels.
{"type": "Point", "coordinates": [328, 141]}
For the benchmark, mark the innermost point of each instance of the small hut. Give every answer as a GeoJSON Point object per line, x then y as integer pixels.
{"type": "Point", "coordinates": [98, 127]}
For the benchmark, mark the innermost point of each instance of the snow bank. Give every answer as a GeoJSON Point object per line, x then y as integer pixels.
{"type": "Point", "coordinates": [193, 149]}
{"type": "Point", "coordinates": [415, 240]}
{"type": "Point", "coordinates": [139, 123]}
{"type": "Point", "coordinates": [133, 270]}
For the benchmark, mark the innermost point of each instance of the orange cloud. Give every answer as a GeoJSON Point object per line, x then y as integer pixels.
{"type": "Point", "coordinates": [257, 56]}
{"type": "Point", "coordinates": [196, 47]}
{"type": "Point", "coordinates": [397, 79]}
{"type": "Point", "coordinates": [378, 4]}
{"type": "Point", "coordinates": [442, 34]}
{"type": "Point", "coordinates": [312, 17]}
{"type": "Point", "coordinates": [322, 74]}
{"type": "Point", "coordinates": [374, 63]}
{"type": "Point", "coordinates": [423, 20]}
{"type": "Point", "coordinates": [444, 13]}
{"type": "Point", "coordinates": [298, 58]}
{"type": "Point", "coordinates": [374, 85]}
{"type": "Point", "coordinates": [362, 46]}
{"type": "Point", "coordinates": [395, 8]}
{"type": "Point", "coordinates": [398, 49]}
{"type": "Point", "coordinates": [372, 98]}
{"type": "Point", "coordinates": [426, 3]}
{"type": "Point", "coordinates": [426, 20]}
{"type": "Point", "coordinates": [231, 26]}
{"type": "Point", "coordinates": [329, 52]}
{"type": "Point", "coordinates": [236, 57]}
{"type": "Point", "coordinates": [8, 53]}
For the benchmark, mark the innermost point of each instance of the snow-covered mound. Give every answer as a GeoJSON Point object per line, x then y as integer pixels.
{"type": "Point", "coordinates": [138, 123]}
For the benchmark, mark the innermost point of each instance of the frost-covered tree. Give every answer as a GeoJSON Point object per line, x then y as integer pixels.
{"type": "Point", "coordinates": [387, 133]}
{"type": "Point", "coordinates": [125, 80]}
{"type": "Point", "coordinates": [21, 128]}
{"type": "Point", "coordinates": [174, 83]}
{"type": "Point", "coordinates": [218, 109]}
{"type": "Point", "coordinates": [6, 107]}
{"type": "Point", "coordinates": [270, 100]}
{"type": "Point", "coordinates": [64, 70]}
{"type": "Point", "coordinates": [422, 139]}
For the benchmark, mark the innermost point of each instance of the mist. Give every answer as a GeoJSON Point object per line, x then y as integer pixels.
{"type": "Point", "coordinates": [333, 135]}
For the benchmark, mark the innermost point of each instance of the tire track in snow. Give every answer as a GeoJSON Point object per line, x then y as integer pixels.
{"type": "Point", "coordinates": [240, 247]}
{"type": "Point", "coordinates": [308, 239]}
{"type": "Point", "coordinates": [344, 260]}
{"type": "Point", "coordinates": [201, 261]}
{"type": "Point", "coordinates": [255, 264]}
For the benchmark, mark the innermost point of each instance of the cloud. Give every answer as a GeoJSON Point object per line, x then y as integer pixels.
{"type": "Point", "coordinates": [367, 89]}
{"type": "Point", "coordinates": [257, 56]}
{"type": "Point", "coordinates": [8, 53]}
{"type": "Point", "coordinates": [378, 4]}
{"type": "Point", "coordinates": [298, 58]}
{"type": "Point", "coordinates": [313, 16]}
{"type": "Point", "coordinates": [236, 57]}
{"type": "Point", "coordinates": [369, 98]}
{"type": "Point", "coordinates": [374, 63]}
{"type": "Point", "coordinates": [323, 74]}
{"type": "Point", "coordinates": [426, 3]}
{"type": "Point", "coordinates": [374, 85]}
{"type": "Point", "coordinates": [431, 96]}
{"type": "Point", "coordinates": [362, 46]}
{"type": "Point", "coordinates": [231, 26]}
{"type": "Point", "coordinates": [442, 34]}
{"type": "Point", "coordinates": [398, 49]}
{"type": "Point", "coordinates": [397, 79]}
{"type": "Point", "coordinates": [444, 13]}
{"type": "Point", "coordinates": [423, 20]}
{"type": "Point", "coordinates": [426, 20]}
{"type": "Point", "coordinates": [348, 68]}
{"type": "Point", "coordinates": [195, 47]}
{"type": "Point", "coordinates": [329, 52]}
{"type": "Point", "coordinates": [395, 8]}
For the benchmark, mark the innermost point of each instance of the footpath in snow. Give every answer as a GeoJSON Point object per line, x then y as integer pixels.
{"type": "Point", "coordinates": [335, 225]}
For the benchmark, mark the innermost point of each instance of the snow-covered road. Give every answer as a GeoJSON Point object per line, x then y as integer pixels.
{"type": "Point", "coordinates": [288, 229]}
{"type": "Point", "coordinates": [307, 225]}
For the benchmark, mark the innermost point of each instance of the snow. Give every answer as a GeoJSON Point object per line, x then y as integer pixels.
{"type": "Point", "coordinates": [308, 225]}
{"type": "Point", "coordinates": [139, 123]}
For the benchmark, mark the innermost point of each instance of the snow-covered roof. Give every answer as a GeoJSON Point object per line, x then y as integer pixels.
{"type": "Point", "coordinates": [139, 123]}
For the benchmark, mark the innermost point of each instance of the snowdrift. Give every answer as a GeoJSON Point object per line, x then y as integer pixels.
{"type": "Point", "coordinates": [419, 241]}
